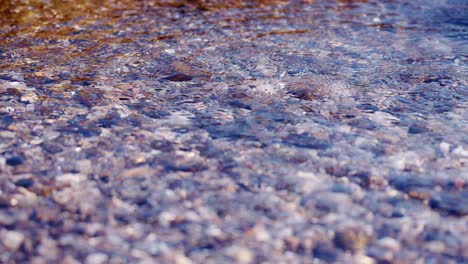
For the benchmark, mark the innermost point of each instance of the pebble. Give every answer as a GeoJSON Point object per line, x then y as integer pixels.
{"type": "Point", "coordinates": [230, 136]}
{"type": "Point", "coordinates": [307, 141]}
{"type": "Point", "coordinates": [4, 202]}
{"type": "Point", "coordinates": [14, 161]}
{"type": "Point", "coordinates": [325, 251]}
{"type": "Point", "coordinates": [26, 182]}
{"type": "Point", "coordinates": [96, 258]}
{"type": "Point", "coordinates": [12, 239]}
{"type": "Point", "coordinates": [51, 147]}
{"type": "Point", "coordinates": [351, 238]}
{"type": "Point", "coordinates": [390, 244]}
{"type": "Point", "coordinates": [179, 77]}
{"type": "Point", "coordinates": [241, 254]}
{"type": "Point", "coordinates": [452, 204]}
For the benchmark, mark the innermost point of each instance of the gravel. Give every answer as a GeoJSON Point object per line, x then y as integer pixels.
{"type": "Point", "coordinates": [233, 132]}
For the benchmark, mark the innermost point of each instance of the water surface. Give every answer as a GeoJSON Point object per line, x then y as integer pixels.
{"type": "Point", "coordinates": [242, 131]}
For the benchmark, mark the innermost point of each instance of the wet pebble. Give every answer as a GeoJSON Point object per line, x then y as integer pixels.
{"type": "Point", "coordinates": [325, 251]}
{"type": "Point", "coordinates": [351, 238]}
{"type": "Point", "coordinates": [4, 202]}
{"type": "Point", "coordinates": [408, 183]}
{"type": "Point", "coordinates": [14, 161]}
{"type": "Point", "coordinates": [303, 94]}
{"type": "Point", "coordinates": [241, 254]}
{"type": "Point", "coordinates": [452, 204]}
{"type": "Point", "coordinates": [12, 239]}
{"type": "Point", "coordinates": [307, 141]}
{"type": "Point", "coordinates": [11, 92]}
{"type": "Point", "coordinates": [51, 147]}
{"type": "Point", "coordinates": [363, 123]}
{"type": "Point", "coordinates": [162, 145]}
{"type": "Point", "coordinates": [179, 77]}
{"type": "Point", "coordinates": [26, 182]}
{"type": "Point", "coordinates": [418, 128]}
{"type": "Point", "coordinates": [96, 258]}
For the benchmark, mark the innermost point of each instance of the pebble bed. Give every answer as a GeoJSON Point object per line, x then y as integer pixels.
{"type": "Point", "coordinates": [234, 132]}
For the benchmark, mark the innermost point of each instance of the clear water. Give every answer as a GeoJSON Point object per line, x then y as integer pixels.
{"type": "Point", "coordinates": [305, 98]}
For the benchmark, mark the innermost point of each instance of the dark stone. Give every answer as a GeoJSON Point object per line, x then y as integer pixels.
{"type": "Point", "coordinates": [162, 145]}
{"type": "Point", "coordinates": [15, 161]}
{"type": "Point", "coordinates": [6, 120]}
{"type": "Point", "coordinates": [351, 239]}
{"type": "Point", "coordinates": [181, 130]}
{"type": "Point", "coordinates": [232, 131]}
{"type": "Point", "coordinates": [410, 182]}
{"type": "Point", "coordinates": [86, 83]}
{"type": "Point", "coordinates": [109, 120]}
{"type": "Point", "coordinates": [134, 120]}
{"type": "Point", "coordinates": [325, 252]}
{"type": "Point", "coordinates": [307, 141]}
{"type": "Point", "coordinates": [11, 92]}
{"type": "Point", "coordinates": [81, 125]}
{"type": "Point", "coordinates": [239, 104]}
{"type": "Point", "coordinates": [155, 114]}
{"type": "Point", "coordinates": [26, 182]}
{"type": "Point", "coordinates": [398, 213]}
{"type": "Point", "coordinates": [368, 107]}
{"type": "Point", "coordinates": [337, 171]}
{"type": "Point", "coordinates": [363, 123]}
{"type": "Point", "coordinates": [370, 180]}
{"type": "Point", "coordinates": [303, 94]}
{"type": "Point", "coordinates": [4, 202]}
{"type": "Point", "coordinates": [239, 94]}
{"type": "Point", "coordinates": [190, 167]}
{"type": "Point", "coordinates": [417, 128]}
{"type": "Point", "coordinates": [52, 148]}
{"type": "Point", "coordinates": [452, 204]}
{"type": "Point", "coordinates": [209, 151]}
{"type": "Point", "coordinates": [88, 98]}
{"type": "Point", "coordinates": [91, 152]}
{"type": "Point", "coordinates": [178, 77]}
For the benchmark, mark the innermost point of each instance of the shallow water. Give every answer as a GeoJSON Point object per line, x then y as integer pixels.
{"type": "Point", "coordinates": [239, 131]}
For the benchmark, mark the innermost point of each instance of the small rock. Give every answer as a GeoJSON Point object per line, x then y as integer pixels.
{"type": "Point", "coordinates": [96, 258]}
{"type": "Point", "coordinates": [178, 77]}
{"type": "Point", "coordinates": [325, 251]}
{"type": "Point", "coordinates": [26, 182]}
{"type": "Point", "coordinates": [418, 128]}
{"type": "Point", "coordinates": [351, 238]}
{"type": "Point", "coordinates": [241, 254]}
{"type": "Point", "coordinates": [303, 94]}
{"type": "Point", "coordinates": [12, 239]}
{"type": "Point", "coordinates": [307, 141]}
{"type": "Point", "coordinates": [181, 259]}
{"type": "Point", "coordinates": [389, 244]}
{"type": "Point", "coordinates": [452, 204]}
{"type": "Point", "coordinates": [51, 147]}
{"type": "Point", "coordinates": [162, 145]}
{"type": "Point", "coordinates": [4, 202]}
{"type": "Point", "coordinates": [70, 260]}
{"type": "Point", "coordinates": [14, 161]}
{"type": "Point", "coordinates": [11, 92]}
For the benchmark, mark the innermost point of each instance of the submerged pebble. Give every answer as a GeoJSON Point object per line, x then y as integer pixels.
{"type": "Point", "coordinates": [14, 161]}
{"type": "Point", "coordinates": [233, 131]}
{"type": "Point", "coordinates": [452, 204]}
{"type": "Point", "coordinates": [178, 77]}
{"type": "Point", "coordinates": [351, 238]}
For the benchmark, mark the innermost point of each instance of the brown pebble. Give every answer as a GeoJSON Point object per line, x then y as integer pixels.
{"type": "Point", "coordinates": [350, 238]}
{"type": "Point", "coordinates": [179, 77]}
{"type": "Point", "coordinates": [11, 92]}
{"type": "Point", "coordinates": [303, 93]}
